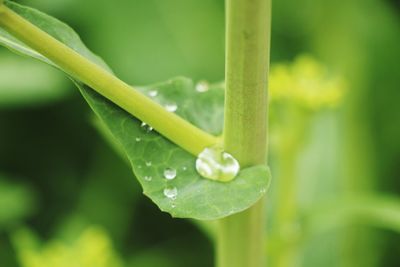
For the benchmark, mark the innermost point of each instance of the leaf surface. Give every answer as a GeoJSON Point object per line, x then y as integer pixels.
{"type": "Point", "coordinates": [149, 153]}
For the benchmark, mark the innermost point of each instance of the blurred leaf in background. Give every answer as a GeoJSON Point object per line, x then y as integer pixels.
{"type": "Point", "coordinates": [24, 82]}
{"type": "Point", "coordinates": [146, 42]}
{"type": "Point", "coordinates": [91, 247]}
{"type": "Point", "coordinates": [16, 202]}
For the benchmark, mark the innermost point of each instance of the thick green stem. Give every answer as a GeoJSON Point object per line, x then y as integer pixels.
{"type": "Point", "coordinates": [241, 236]}
{"type": "Point", "coordinates": [168, 124]}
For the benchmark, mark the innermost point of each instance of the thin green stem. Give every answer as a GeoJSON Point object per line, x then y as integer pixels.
{"type": "Point", "coordinates": [241, 236]}
{"type": "Point", "coordinates": [168, 124]}
{"type": "Point", "coordinates": [287, 208]}
{"type": "Point", "coordinates": [286, 218]}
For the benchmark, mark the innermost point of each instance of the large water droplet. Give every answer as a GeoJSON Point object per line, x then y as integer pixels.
{"type": "Point", "coordinates": [153, 93]}
{"type": "Point", "coordinates": [171, 192]}
{"type": "Point", "coordinates": [171, 107]}
{"type": "Point", "coordinates": [147, 128]}
{"type": "Point", "coordinates": [202, 86]}
{"type": "Point", "coordinates": [169, 173]}
{"type": "Point", "coordinates": [216, 164]}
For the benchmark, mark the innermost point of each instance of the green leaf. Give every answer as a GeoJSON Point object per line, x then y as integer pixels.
{"type": "Point", "coordinates": [40, 84]}
{"type": "Point", "coordinates": [16, 202]}
{"type": "Point", "coordinates": [374, 210]}
{"type": "Point", "coordinates": [150, 153]}
{"type": "Point", "coordinates": [197, 197]}
{"type": "Point", "coordinates": [380, 211]}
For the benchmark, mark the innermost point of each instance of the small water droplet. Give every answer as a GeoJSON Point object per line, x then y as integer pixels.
{"type": "Point", "coordinates": [169, 173]}
{"type": "Point", "coordinates": [216, 164]}
{"type": "Point", "coordinates": [173, 205]}
{"type": "Point", "coordinates": [171, 107]}
{"type": "Point", "coordinates": [140, 166]}
{"type": "Point", "coordinates": [263, 190]}
{"type": "Point", "coordinates": [184, 168]}
{"type": "Point", "coordinates": [202, 86]}
{"type": "Point", "coordinates": [147, 128]}
{"type": "Point", "coordinates": [153, 93]}
{"type": "Point", "coordinates": [148, 163]}
{"type": "Point", "coordinates": [138, 139]}
{"type": "Point", "coordinates": [171, 192]}
{"type": "Point", "coordinates": [148, 178]}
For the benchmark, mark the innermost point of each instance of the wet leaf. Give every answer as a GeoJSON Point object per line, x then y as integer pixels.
{"type": "Point", "coordinates": [187, 195]}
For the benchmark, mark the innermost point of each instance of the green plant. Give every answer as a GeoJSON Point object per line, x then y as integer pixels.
{"type": "Point", "coordinates": [188, 118]}
{"type": "Point", "coordinates": [91, 247]}
{"type": "Point", "coordinates": [152, 156]}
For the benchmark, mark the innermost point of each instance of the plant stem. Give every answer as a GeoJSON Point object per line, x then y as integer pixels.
{"type": "Point", "coordinates": [241, 236]}
{"type": "Point", "coordinates": [286, 217]}
{"type": "Point", "coordinates": [166, 123]}
{"type": "Point", "coordinates": [286, 207]}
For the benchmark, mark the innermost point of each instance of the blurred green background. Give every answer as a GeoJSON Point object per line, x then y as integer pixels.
{"type": "Point", "coordinates": [66, 197]}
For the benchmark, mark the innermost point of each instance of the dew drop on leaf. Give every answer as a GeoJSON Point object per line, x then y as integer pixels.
{"type": "Point", "coordinates": [171, 192]}
{"type": "Point", "coordinates": [202, 86]}
{"type": "Point", "coordinates": [148, 163]}
{"type": "Point", "coordinates": [216, 164]}
{"type": "Point", "coordinates": [148, 178]}
{"type": "Point", "coordinates": [169, 173]}
{"type": "Point", "coordinates": [138, 139]}
{"type": "Point", "coordinates": [147, 128]}
{"type": "Point", "coordinates": [171, 107]}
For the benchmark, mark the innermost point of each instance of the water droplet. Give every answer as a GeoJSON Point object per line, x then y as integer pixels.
{"type": "Point", "coordinates": [184, 168]}
{"type": "Point", "coordinates": [216, 164]}
{"type": "Point", "coordinates": [169, 173]}
{"type": "Point", "coordinates": [148, 163]}
{"type": "Point", "coordinates": [140, 166]}
{"type": "Point", "coordinates": [153, 93]}
{"type": "Point", "coordinates": [171, 192]}
{"type": "Point", "coordinates": [148, 178]}
{"type": "Point", "coordinates": [173, 205]}
{"type": "Point", "coordinates": [263, 190]}
{"type": "Point", "coordinates": [171, 107]}
{"type": "Point", "coordinates": [202, 86]}
{"type": "Point", "coordinates": [138, 139]}
{"type": "Point", "coordinates": [147, 128]}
